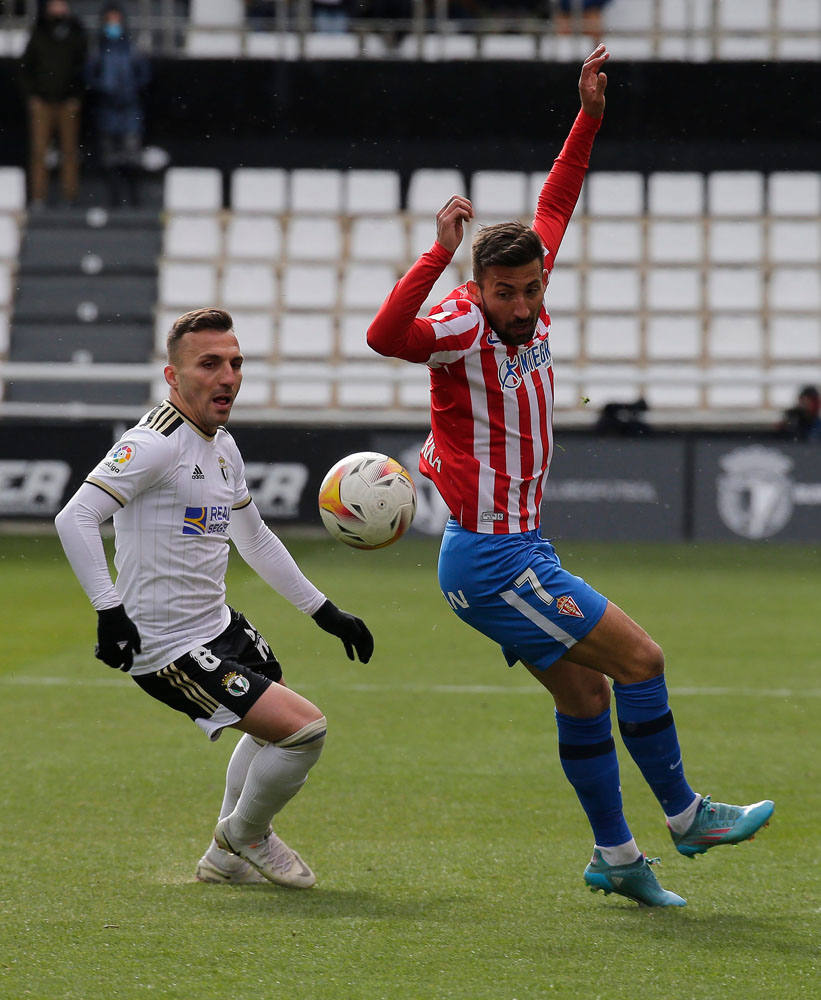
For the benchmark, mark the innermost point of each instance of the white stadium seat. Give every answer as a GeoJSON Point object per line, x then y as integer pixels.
{"type": "Point", "coordinates": [310, 286]}
{"type": "Point", "coordinates": [380, 238]}
{"type": "Point", "coordinates": [795, 242]}
{"type": "Point", "coordinates": [500, 194]}
{"type": "Point", "coordinates": [187, 285]}
{"type": "Point", "coordinates": [617, 193]}
{"type": "Point", "coordinates": [795, 288]}
{"type": "Point", "coordinates": [564, 290]}
{"type": "Point", "coordinates": [366, 286]}
{"type": "Point", "coordinates": [735, 192]}
{"type": "Point", "coordinates": [429, 189]}
{"type": "Point", "coordinates": [248, 285]}
{"type": "Point", "coordinates": [192, 189]}
{"type": "Point", "coordinates": [794, 337]}
{"type": "Point", "coordinates": [12, 189]}
{"type": "Point", "coordinates": [675, 194]}
{"type": "Point", "coordinates": [353, 330]}
{"type": "Point", "coordinates": [794, 193]}
{"type": "Point", "coordinates": [258, 189]}
{"type": "Point", "coordinates": [197, 237]}
{"type": "Point", "coordinates": [734, 242]}
{"type": "Point", "coordinates": [368, 192]}
{"type": "Point", "coordinates": [735, 337]}
{"type": "Point", "coordinates": [255, 237]}
{"type": "Point", "coordinates": [673, 337]}
{"type": "Point", "coordinates": [672, 288]}
{"type": "Point", "coordinates": [9, 237]}
{"type": "Point", "coordinates": [617, 337]}
{"type": "Point", "coordinates": [674, 242]}
{"type": "Point", "coordinates": [306, 335]}
{"type": "Point", "coordinates": [313, 238]}
{"type": "Point", "coordinates": [734, 288]}
{"type": "Point", "coordinates": [612, 288]}
{"type": "Point", "coordinates": [255, 332]}
{"type": "Point", "coordinates": [316, 191]}
{"type": "Point", "coordinates": [303, 384]}
{"type": "Point", "coordinates": [614, 242]}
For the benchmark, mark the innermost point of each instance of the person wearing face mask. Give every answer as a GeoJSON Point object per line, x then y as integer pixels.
{"type": "Point", "coordinates": [51, 71]}
{"type": "Point", "coordinates": [116, 76]}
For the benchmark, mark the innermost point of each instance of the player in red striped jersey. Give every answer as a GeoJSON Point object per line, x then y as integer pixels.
{"type": "Point", "coordinates": [491, 376]}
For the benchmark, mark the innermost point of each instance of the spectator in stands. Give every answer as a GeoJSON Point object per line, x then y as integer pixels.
{"type": "Point", "coordinates": [623, 419]}
{"type": "Point", "coordinates": [117, 75]}
{"type": "Point", "coordinates": [802, 422]}
{"type": "Point", "coordinates": [592, 23]}
{"type": "Point", "coordinates": [52, 78]}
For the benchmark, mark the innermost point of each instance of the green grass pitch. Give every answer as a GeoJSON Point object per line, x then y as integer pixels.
{"type": "Point", "coordinates": [448, 847]}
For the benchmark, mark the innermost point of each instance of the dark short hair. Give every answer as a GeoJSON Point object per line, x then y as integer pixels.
{"type": "Point", "coordinates": [208, 318]}
{"type": "Point", "coordinates": [507, 244]}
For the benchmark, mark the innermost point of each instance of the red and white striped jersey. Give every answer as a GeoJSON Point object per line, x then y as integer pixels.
{"type": "Point", "coordinates": [491, 437]}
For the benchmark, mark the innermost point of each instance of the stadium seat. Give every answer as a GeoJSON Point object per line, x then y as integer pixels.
{"type": "Point", "coordinates": [735, 192]}
{"type": "Point", "coordinates": [365, 286]}
{"type": "Point", "coordinates": [87, 251]}
{"type": "Point", "coordinates": [794, 337]}
{"type": "Point", "coordinates": [248, 285]}
{"type": "Point", "coordinates": [197, 237]}
{"type": "Point", "coordinates": [613, 242]}
{"type": "Point", "coordinates": [254, 237]}
{"type": "Point", "coordinates": [794, 193]}
{"type": "Point", "coordinates": [675, 194]}
{"type": "Point", "coordinates": [330, 45]}
{"type": "Point", "coordinates": [213, 44]}
{"type": "Point", "coordinates": [259, 190]}
{"type": "Point", "coordinates": [5, 284]}
{"type": "Point", "coordinates": [413, 389]}
{"type": "Point", "coordinates": [673, 337]}
{"type": "Point", "coordinates": [187, 285]}
{"type": "Point", "coordinates": [366, 384]}
{"type": "Point", "coordinates": [352, 335]}
{"type": "Point", "coordinates": [378, 239]}
{"type": "Point", "coordinates": [370, 192]}
{"type": "Point", "coordinates": [734, 242]}
{"type": "Point", "coordinates": [272, 45]}
{"type": "Point", "coordinates": [255, 332]}
{"type": "Point", "coordinates": [795, 288]}
{"type": "Point", "coordinates": [429, 189]}
{"type": "Point", "coordinates": [309, 286]}
{"type": "Point", "coordinates": [500, 194]}
{"type": "Point", "coordinates": [303, 384]}
{"type": "Point", "coordinates": [611, 288]}
{"type": "Point", "coordinates": [256, 387]}
{"type": "Point", "coordinates": [570, 250]}
{"type": "Point", "coordinates": [565, 336]}
{"type": "Point", "coordinates": [192, 189]}
{"type": "Point", "coordinates": [316, 191]}
{"type": "Point", "coordinates": [673, 242]}
{"type": "Point", "coordinates": [564, 290]}
{"type": "Point", "coordinates": [734, 288]}
{"type": "Point", "coordinates": [313, 238]}
{"type": "Point", "coordinates": [744, 15]}
{"type": "Point", "coordinates": [217, 13]}
{"type": "Point", "coordinates": [4, 332]}
{"type": "Point", "coordinates": [57, 298]}
{"type": "Point", "coordinates": [306, 335]}
{"type": "Point", "coordinates": [673, 288]}
{"type": "Point", "coordinates": [795, 242]}
{"type": "Point", "coordinates": [85, 343]}
{"type": "Point", "coordinates": [517, 47]}
{"type": "Point", "coordinates": [617, 193]}
{"type": "Point", "coordinates": [617, 337]}
{"type": "Point", "coordinates": [672, 387]}
{"type": "Point", "coordinates": [738, 337]}
{"type": "Point", "coordinates": [737, 388]}
{"type": "Point", "coordinates": [12, 189]}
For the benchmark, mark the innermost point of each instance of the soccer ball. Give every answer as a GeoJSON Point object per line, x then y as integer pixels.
{"type": "Point", "coordinates": [367, 500]}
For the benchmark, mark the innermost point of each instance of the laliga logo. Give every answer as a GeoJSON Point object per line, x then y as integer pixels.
{"type": "Point", "coordinates": [509, 377]}
{"type": "Point", "coordinates": [755, 494]}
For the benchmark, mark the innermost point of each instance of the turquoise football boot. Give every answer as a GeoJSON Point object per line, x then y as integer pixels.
{"type": "Point", "coordinates": [716, 823]}
{"type": "Point", "coordinates": [636, 881]}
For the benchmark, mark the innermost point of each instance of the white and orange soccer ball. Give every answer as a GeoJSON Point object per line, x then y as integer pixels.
{"type": "Point", "coordinates": [367, 500]}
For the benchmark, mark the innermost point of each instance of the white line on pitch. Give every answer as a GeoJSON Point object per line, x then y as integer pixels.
{"type": "Point", "coordinates": [678, 692]}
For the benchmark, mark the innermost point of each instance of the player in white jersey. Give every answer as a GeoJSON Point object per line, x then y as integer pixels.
{"type": "Point", "coordinates": [491, 378]}
{"type": "Point", "coordinates": [175, 485]}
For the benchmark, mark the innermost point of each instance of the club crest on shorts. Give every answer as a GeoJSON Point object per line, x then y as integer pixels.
{"type": "Point", "coordinates": [235, 684]}
{"type": "Point", "coordinates": [567, 606]}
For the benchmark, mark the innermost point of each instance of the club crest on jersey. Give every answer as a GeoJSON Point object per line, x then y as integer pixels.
{"type": "Point", "coordinates": [567, 606]}
{"type": "Point", "coordinates": [223, 467]}
{"type": "Point", "coordinates": [512, 370]}
{"type": "Point", "coordinates": [212, 520]}
{"type": "Point", "coordinates": [235, 684]}
{"type": "Point", "coordinates": [120, 456]}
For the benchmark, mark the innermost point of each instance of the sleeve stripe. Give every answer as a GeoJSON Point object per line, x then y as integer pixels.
{"type": "Point", "coordinates": [241, 504]}
{"type": "Point", "coordinates": [106, 489]}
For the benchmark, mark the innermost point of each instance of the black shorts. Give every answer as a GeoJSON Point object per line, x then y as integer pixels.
{"type": "Point", "coordinates": [216, 684]}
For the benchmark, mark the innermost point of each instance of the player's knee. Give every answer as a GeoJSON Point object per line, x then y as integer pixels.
{"type": "Point", "coordinates": [649, 660]}
{"type": "Point", "coordinates": [309, 739]}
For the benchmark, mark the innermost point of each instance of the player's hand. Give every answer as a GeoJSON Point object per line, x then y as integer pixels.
{"type": "Point", "coordinates": [117, 638]}
{"type": "Point", "coordinates": [351, 630]}
{"type": "Point", "coordinates": [450, 221]}
{"type": "Point", "coordinates": [592, 82]}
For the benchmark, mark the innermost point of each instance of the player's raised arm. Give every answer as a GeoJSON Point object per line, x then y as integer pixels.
{"type": "Point", "coordinates": [450, 221]}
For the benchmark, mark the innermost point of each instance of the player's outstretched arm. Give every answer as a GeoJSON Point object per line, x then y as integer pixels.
{"type": "Point", "coordinates": [592, 82]}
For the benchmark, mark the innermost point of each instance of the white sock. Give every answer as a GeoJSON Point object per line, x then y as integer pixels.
{"type": "Point", "coordinates": [620, 854]}
{"type": "Point", "coordinates": [681, 822]}
{"type": "Point", "coordinates": [244, 752]}
{"type": "Point", "coordinates": [275, 775]}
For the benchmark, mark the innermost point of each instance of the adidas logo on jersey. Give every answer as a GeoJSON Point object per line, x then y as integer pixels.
{"type": "Point", "coordinates": [198, 473]}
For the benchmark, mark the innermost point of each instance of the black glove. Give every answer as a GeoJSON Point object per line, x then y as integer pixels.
{"type": "Point", "coordinates": [351, 630]}
{"type": "Point", "coordinates": [117, 638]}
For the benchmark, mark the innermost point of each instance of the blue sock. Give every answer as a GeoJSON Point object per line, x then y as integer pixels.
{"type": "Point", "coordinates": [649, 733]}
{"type": "Point", "coordinates": [588, 757]}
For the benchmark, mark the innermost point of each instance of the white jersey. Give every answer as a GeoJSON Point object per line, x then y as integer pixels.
{"type": "Point", "coordinates": [177, 487]}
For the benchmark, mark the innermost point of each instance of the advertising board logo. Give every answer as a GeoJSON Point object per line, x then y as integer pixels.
{"type": "Point", "coordinates": [755, 492]}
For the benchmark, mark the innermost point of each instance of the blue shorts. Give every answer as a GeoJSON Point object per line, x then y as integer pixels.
{"type": "Point", "coordinates": [512, 588]}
